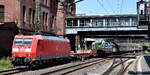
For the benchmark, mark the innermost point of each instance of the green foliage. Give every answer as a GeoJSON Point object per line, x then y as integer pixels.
{"type": "Point", "coordinates": [146, 52]}
{"type": "Point", "coordinates": [5, 64]}
{"type": "Point", "coordinates": [97, 46]}
{"type": "Point", "coordinates": [143, 44]}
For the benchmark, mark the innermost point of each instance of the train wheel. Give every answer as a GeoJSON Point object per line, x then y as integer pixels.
{"type": "Point", "coordinates": [82, 59]}
{"type": "Point", "coordinates": [34, 65]}
{"type": "Point", "coordinates": [14, 64]}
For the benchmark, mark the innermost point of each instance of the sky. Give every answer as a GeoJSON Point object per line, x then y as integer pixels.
{"type": "Point", "coordinates": [106, 7]}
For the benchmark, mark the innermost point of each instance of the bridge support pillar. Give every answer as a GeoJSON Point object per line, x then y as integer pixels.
{"type": "Point", "coordinates": [77, 42]}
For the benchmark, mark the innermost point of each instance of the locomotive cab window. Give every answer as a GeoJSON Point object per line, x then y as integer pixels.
{"type": "Point", "coordinates": [21, 41]}
{"type": "Point", "coordinates": [27, 41]}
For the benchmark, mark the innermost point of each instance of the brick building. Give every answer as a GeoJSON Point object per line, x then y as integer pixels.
{"type": "Point", "coordinates": [22, 12]}
{"type": "Point", "coordinates": [19, 16]}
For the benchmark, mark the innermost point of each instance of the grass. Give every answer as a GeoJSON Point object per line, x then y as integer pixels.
{"type": "Point", "coordinates": [143, 44]}
{"type": "Point", "coordinates": [5, 64]}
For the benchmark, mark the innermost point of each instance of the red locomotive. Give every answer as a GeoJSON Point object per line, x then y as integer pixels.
{"type": "Point", "coordinates": [38, 49]}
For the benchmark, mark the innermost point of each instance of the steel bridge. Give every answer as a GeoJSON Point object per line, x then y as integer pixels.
{"type": "Point", "coordinates": [120, 27]}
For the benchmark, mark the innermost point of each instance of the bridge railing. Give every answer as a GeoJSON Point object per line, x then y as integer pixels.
{"type": "Point", "coordinates": [107, 24]}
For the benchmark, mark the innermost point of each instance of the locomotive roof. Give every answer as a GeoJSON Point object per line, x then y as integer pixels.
{"type": "Point", "coordinates": [44, 37]}
{"type": "Point", "coordinates": [53, 38]}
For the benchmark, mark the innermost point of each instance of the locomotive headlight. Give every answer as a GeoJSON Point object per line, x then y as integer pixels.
{"type": "Point", "coordinates": [28, 50]}
{"type": "Point", "coordinates": [28, 55]}
{"type": "Point", "coordinates": [15, 49]}
{"type": "Point", "coordinates": [13, 55]}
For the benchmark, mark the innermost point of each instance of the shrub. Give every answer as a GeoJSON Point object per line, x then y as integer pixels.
{"type": "Point", "coordinates": [5, 64]}
{"type": "Point", "coordinates": [146, 52]}
{"type": "Point", "coordinates": [97, 46]}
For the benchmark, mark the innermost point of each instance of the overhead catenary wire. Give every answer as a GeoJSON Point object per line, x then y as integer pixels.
{"type": "Point", "coordinates": [121, 7]}
{"type": "Point", "coordinates": [101, 4]}
{"type": "Point", "coordinates": [85, 8]}
{"type": "Point", "coordinates": [118, 5]}
{"type": "Point", "coordinates": [110, 4]}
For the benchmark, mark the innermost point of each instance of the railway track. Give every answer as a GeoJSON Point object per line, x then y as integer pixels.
{"type": "Point", "coordinates": [124, 69]}
{"type": "Point", "coordinates": [12, 71]}
{"type": "Point", "coordinates": [73, 68]}
{"type": "Point", "coordinates": [122, 63]}
{"type": "Point", "coordinates": [116, 65]}
{"type": "Point", "coordinates": [55, 71]}
{"type": "Point", "coordinates": [67, 68]}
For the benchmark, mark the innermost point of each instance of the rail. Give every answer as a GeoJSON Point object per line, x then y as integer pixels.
{"type": "Point", "coordinates": [13, 71]}
{"type": "Point", "coordinates": [73, 68]}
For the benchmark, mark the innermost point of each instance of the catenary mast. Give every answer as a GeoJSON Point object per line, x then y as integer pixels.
{"type": "Point", "coordinates": [38, 17]}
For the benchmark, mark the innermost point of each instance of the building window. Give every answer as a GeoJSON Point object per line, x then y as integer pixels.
{"type": "Point", "coordinates": [52, 5]}
{"type": "Point", "coordinates": [42, 1]}
{"type": "Point", "coordinates": [113, 21]}
{"type": "Point", "coordinates": [1, 13]}
{"type": "Point", "coordinates": [82, 22]}
{"type": "Point", "coordinates": [69, 22]}
{"type": "Point", "coordinates": [30, 14]}
{"type": "Point", "coordinates": [87, 22]}
{"type": "Point", "coordinates": [99, 22]}
{"type": "Point", "coordinates": [24, 14]}
{"type": "Point", "coordinates": [75, 22]}
{"type": "Point", "coordinates": [43, 15]}
{"type": "Point", "coordinates": [33, 16]}
{"type": "Point", "coordinates": [46, 2]}
{"type": "Point", "coordinates": [94, 22]}
{"type": "Point", "coordinates": [134, 21]}
{"type": "Point", "coordinates": [108, 22]}
{"type": "Point", "coordinates": [46, 19]}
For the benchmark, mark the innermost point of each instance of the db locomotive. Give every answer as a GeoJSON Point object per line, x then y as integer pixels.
{"type": "Point", "coordinates": [38, 49]}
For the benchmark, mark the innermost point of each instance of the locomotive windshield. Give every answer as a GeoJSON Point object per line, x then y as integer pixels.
{"type": "Point", "coordinates": [23, 41]}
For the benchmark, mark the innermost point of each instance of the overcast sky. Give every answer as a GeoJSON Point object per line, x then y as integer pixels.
{"type": "Point", "coordinates": [103, 7]}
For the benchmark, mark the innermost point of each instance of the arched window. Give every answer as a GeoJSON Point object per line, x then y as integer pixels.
{"type": "Point", "coordinates": [2, 13]}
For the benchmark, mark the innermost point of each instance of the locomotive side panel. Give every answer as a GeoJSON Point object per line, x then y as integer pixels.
{"type": "Point", "coordinates": [52, 49]}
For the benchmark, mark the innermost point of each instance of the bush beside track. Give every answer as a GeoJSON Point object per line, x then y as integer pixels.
{"type": "Point", "coordinates": [5, 64]}
{"type": "Point", "coordinates": [142, 44]}
{"type": "Point", "coordinates": [145, 52]}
